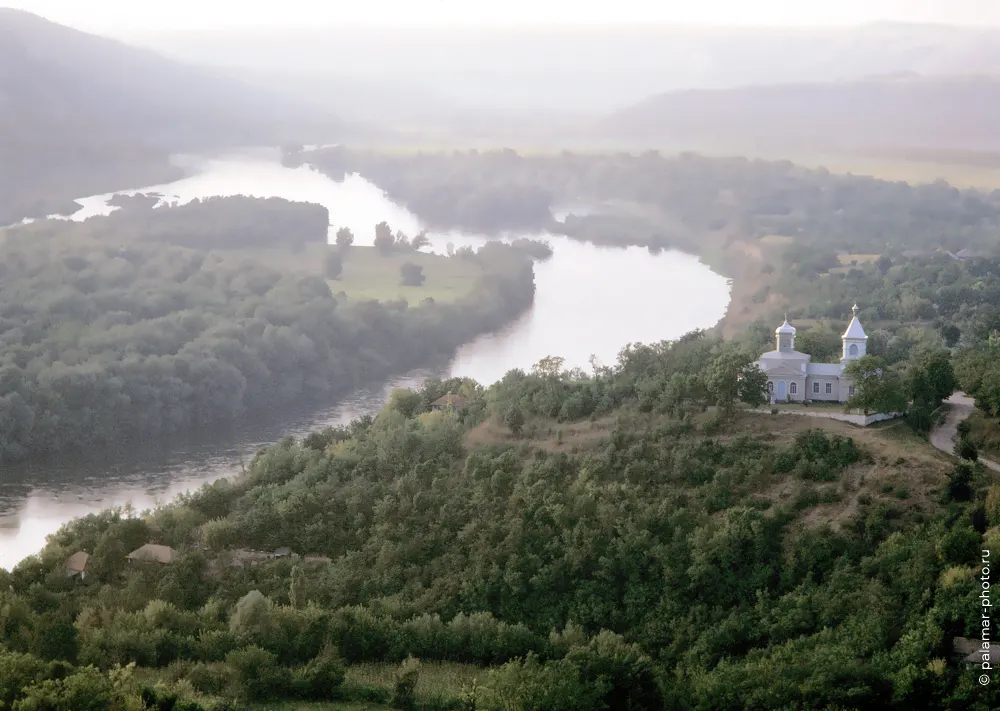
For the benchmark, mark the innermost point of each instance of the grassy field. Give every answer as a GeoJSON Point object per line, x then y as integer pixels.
{"type": "Point", "coordinates": [437, 679]}
{"type": "Point", "coordinates": [319, 706]}
{"type": "Point", "coordinates": [369, 275]}
{"type": "Point", "coordinates": [963, 170]}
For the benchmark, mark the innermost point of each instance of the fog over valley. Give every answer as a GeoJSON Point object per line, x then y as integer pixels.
{"type": "Point", "coordinates": [468, 356]}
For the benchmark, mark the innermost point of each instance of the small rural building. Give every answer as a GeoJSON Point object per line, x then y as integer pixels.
{"type": "Point", "coordinates": [283, 552]}
{"type": "Point", "coordinates": [455, 402]}
{"type": "Point", "coordinates": [964, 255]}
{"type": "Point", "coordinates": [76, 565]}
{"type": "Point", "coordinates": [968, 652]}
{"type": "Point", "coordinates": [153, 553]}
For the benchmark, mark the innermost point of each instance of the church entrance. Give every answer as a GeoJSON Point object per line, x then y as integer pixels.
{"type": "Point", "coordinates": [782, 393]}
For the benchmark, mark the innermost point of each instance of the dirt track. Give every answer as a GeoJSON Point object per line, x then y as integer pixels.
{"type": "Point", "coordinates": [943, 436]}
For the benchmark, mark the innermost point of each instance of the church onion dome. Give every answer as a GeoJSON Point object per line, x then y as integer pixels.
{"type": "Point", "coordinates": [854, 330]}
{"type": "Point", "coordinates": [785, 328]}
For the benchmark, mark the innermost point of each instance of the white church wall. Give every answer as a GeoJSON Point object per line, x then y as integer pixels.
{"type": "Point", "coordinates": [860, 420]}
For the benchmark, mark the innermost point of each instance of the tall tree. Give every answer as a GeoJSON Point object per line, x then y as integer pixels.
{"type": "Point", "coordinates": [297, 588]}
{"type": "Point", "coordinates": [345, 238]}
{"type": "Point", "coordinates": [733, 376]}
{"type": "Point", "coordinates": [420, 241]}
{"type": "Point", "coordinates": [876, 388]}
{"type": "Point", "coordinates": [384, 239]}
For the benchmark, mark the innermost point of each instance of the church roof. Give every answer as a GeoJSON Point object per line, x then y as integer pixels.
{"type": "Point", "coordinates": [785, 328]}
{"type": "Point", "coordinates": [854, 329]}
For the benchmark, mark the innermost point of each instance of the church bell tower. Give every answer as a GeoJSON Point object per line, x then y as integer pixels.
{"type": "Point", "coordinates": [855, 340]}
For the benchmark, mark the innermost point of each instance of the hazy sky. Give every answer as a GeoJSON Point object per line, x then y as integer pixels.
{"type": "Point", "coordinates": [127, 15]}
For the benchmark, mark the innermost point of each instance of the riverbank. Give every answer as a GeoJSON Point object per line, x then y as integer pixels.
{"type": "Point", "coordinates": [584, 306]}
{"type": "Point", "coordinates": [54, 189]}
{"type": "Point", "coordinates": [154, 339]}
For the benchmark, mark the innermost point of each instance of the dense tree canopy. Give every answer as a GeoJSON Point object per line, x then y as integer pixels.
{"type": "Point", "coordinates": [105, 333]}
{"type": "Point", "coordinates": [699, 196]}
{"type": "Point", "coordinates": [645, 561]}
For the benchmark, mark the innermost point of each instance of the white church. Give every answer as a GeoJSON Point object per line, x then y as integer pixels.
{"type": "Point", "coordinates": [792, 376]}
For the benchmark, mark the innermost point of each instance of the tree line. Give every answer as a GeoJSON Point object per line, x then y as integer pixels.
{"type": "Point", "coordinates": [673, 201]}
{"type": "Point", "coordinates": [105, 335]}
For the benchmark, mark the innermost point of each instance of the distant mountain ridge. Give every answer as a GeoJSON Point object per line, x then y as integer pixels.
{"type": "Point", "coordinates": [53, 73]}
{"type": "Point", "coordinates": [81, 114]}
{"type": "Point", "coordinates": [959, 112]}
{"type": "Point", "coordinates": [592, 70]}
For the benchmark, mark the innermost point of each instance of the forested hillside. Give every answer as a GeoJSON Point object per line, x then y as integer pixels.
{"type": "Point", "coordinates": [561, 540]}
{"type": "Point", "coordinates": [82, 115]}
{"type": "Point", "coordinates": [110, 328]}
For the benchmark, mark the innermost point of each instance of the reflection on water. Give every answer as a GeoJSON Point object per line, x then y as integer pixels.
{"type": "Point", "coordinates": [589, 301]}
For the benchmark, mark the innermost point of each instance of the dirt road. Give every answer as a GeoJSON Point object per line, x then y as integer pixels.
{"type": "Point", "coordinates": [943, 436]}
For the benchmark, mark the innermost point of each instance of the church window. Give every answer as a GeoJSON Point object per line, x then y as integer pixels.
{"type": "Point", "coordinates": [853, 350]}
{"type": "Point", "coordinates": [815, 388]}
{"type": "Point", "coordinates": [793, 388]}
{"type": "Point", "coordinates": [829, 388]}
{"type": "Point", "coordinates": [770, 386]}
{"type": "Point", "coordinates": [850, 391]}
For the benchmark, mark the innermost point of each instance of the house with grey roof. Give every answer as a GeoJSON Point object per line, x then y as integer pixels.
{"type": "Point", "coordinates": [76, 565]}
{"type": "Point", "coordinates": [792, 376]}
{"type": "Point", "coordinates": [154, 553]}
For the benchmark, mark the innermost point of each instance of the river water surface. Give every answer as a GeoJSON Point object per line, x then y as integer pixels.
{"type": "Point", "coordinates": [589, 300]}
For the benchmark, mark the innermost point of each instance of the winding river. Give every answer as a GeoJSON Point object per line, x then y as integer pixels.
{"type": "Point", "coordinates": [589, 300]}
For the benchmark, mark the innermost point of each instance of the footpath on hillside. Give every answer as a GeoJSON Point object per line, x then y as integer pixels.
{"type": "Point", "coordinates": [960, 406]}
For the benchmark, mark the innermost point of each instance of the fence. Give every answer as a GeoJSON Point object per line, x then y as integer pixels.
{"type": "Point", "coordinates": [860, 420]}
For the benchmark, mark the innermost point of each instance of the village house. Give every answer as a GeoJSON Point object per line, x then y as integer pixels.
{"type": "Point", "coordinates": [153, 552]}
{"type": "Point", "coordinates": [76, 565]}
{"type": "Point", "coordinates": [792, 376]}
{"type": "Point", "coordinates": [456, 402]}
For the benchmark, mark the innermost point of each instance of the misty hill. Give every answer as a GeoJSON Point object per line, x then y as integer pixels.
{"type": "Point", "coordinates": [81, 114]}
{"type": "Point", "coordinates": [588, 69]}
{"type": "Point", "coordinates": [57, 75]}
{"type": "Point", "coordinates": [951, 113]}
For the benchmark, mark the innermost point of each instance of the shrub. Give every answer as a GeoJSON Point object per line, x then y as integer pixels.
{"type": "Point", "coordinates": [411, 274]}
{"type": "Point", "coordinates": [210, 679]}
{"type": "Point", "coordinates": [321, 678]}
{"type": "Point", "coordinates": [404, 693]}
{"type": "Point", "coordinates": [85, 690]}
{"type": "Point", "coordinates": [257, 674]}
{"type": "Point", "coordinates": [214, 645]}
{"type": "Point", "coordinates": [334, 265]}
{"type": "Point", "coordinates": [966, 449]}
{"type": "Point", "coordinates": [365, 693]}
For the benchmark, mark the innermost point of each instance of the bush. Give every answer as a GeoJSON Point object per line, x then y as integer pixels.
{"type": "Point", "coordinates": [210, 679]}
{"type": "Point", "coordinates": [365, 693]}
{"type": "Point", "coordinates": [85, 690]}
{"type": "Point", "coordinates": [404, 693]}
{"type": "Point", "coordinates": [214, 645]}
{"type": "Point", "coordinates": [966, 449]}
{"type": "Point", "coordinates": [411, 274]}
{"type": "Point", "coordinates": [321, 678]}
{"type": "Point", "coordinates": [334, 265]}
{"type": "Point", "coordinates": [257, 675]}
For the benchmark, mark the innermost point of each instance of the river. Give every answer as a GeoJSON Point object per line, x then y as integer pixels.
{"type": "Point", "coordinates": [589, 300]}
